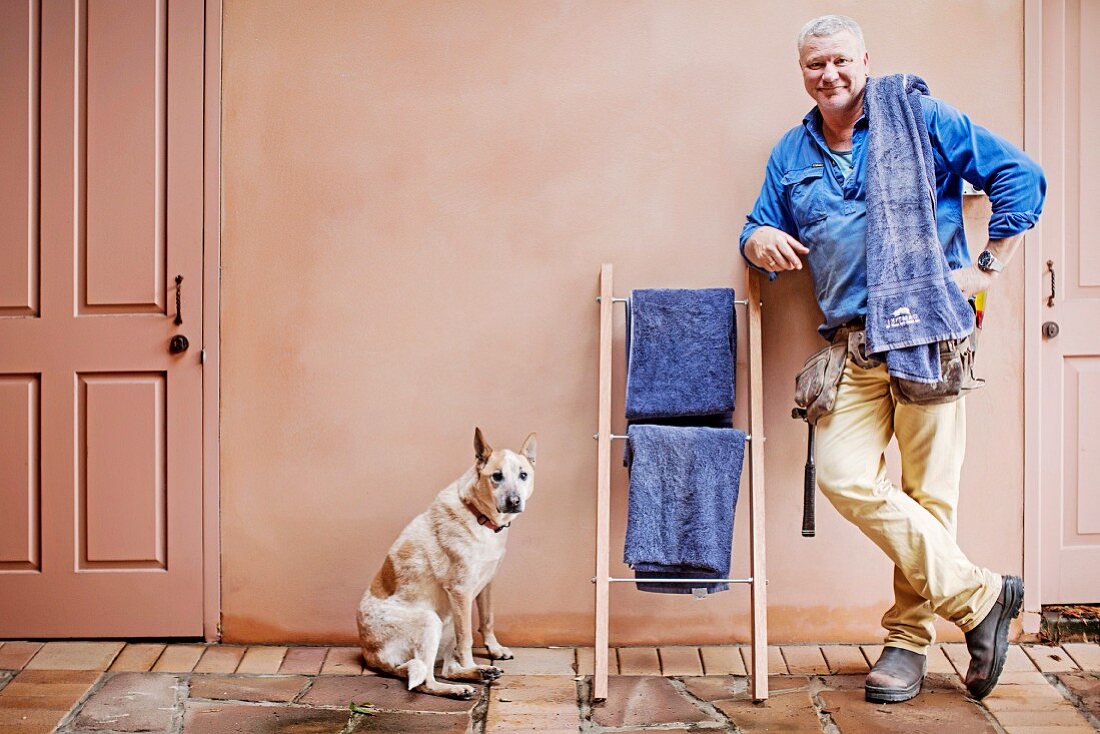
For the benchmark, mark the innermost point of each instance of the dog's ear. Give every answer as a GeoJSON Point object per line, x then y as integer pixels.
{"type": "Point", "coordinates": [529, 447]}
{"type": "Point", "coordinates": [482, 450]}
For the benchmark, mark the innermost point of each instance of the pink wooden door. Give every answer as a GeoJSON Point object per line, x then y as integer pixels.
{"type": "Point", "coordinates": [1070, 461]}
{"type": "Point", "coordinates": [101, 208]}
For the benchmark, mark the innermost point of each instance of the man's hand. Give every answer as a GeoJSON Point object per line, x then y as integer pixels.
{"type": "Point", "coordinates": [774, 250]}
{"type": "Point", "coordinates": [970, 280]}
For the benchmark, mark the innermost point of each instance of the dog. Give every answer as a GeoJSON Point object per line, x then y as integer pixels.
{"type": "Point", "coordinates": [419, 607]}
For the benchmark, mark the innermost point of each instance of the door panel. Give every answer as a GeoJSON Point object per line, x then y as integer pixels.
{"type": "Point", "coordinates": [20, 83]}
{"type": "Point", "coordinates": [1070, 457]}
{"type": "Point", "coordinates": [20, 522]}
{"type": "Point", "coordinates": [102, 425]}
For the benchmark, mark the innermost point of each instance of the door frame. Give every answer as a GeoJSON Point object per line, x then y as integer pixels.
{"type": "Point", "coordinates": [1043, 28]}
{"type": "Point", "coordinates": [211, 322]}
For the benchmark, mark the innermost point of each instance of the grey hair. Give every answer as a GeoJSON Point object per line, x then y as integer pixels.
{"type": "Point", "coordinates": [830, 25]}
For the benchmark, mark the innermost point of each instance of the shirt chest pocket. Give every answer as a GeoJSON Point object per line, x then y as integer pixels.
{"type": "Point", "coordinates": [805, 194]}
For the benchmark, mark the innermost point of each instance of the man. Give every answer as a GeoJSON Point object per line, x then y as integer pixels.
{"type": "Point", "coordinates": [813, 205]}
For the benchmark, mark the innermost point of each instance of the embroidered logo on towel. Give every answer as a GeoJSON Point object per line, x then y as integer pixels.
{"type": "Point", "coordinates": [902, 317]}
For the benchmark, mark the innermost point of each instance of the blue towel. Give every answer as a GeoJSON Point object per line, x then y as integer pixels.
{"type": "Point", "coordinates": [912, 300]}
{"type": "Point", "coordinates": [681, 347]}
{"type": "Point", "coordinates": [683, 491]}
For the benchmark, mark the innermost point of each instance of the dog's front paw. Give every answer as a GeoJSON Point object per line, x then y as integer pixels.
{"type": "Point", "coordinates": [490, 672]}
{"type": "Point", "coordinates": [499, 652]}
{"type": "Point", "coordinates": [464, 693]}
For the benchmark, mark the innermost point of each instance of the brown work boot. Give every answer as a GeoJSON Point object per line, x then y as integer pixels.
{"type": "Point", "coordinates": [988, 642]}
{"type": "Point", "coordinates": [896, 677]}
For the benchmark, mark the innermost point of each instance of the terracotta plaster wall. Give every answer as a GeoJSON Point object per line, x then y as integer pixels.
{"type": "Point", "coordinates": [417, 200]}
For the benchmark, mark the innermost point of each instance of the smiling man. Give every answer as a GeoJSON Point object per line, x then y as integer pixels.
{"type": "Point", "coordinates": [834, 193]}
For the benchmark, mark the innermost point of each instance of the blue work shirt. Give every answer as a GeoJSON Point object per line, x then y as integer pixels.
{"type": "Point", "coordinates": [806, 196]}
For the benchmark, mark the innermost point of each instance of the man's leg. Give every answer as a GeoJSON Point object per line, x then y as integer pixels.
{"type": "Point", "coordinates": [852, 474]}
{"type": "Point", "coordinates": [932, 442]}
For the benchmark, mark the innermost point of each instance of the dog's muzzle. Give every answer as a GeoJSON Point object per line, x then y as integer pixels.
{"type": "Point", "coordinates": [513, 503]}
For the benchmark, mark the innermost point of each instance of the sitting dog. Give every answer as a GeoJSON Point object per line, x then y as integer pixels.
{"type": "Point", "coordinates": [419, 608]}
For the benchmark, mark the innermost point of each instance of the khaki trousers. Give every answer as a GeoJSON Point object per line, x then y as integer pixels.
{"type": "Point", "coordinates": [914, 526]}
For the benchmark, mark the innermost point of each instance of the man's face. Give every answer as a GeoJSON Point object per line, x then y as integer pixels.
{"type": "Point", "coordinates": [834, 70]}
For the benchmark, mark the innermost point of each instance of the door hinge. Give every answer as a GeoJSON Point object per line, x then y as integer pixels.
{"type": "Point", "coordinates": [202, 356]}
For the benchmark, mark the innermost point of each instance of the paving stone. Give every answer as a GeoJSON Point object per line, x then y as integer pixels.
{"type": "Point", "coordinates": [714, 688]}
{"type": "Point", "coordinates": [202, 717]}
{"type": "Point", "coordinates": [343, 661]}
{"type": "Point", "coordinates": [844, 659]}
{"type": "Point", "coordinates": [136, 658]}
{"type": "Point", "coordinates": [536, 661]}
{"type": "Point", "coordinates": [412, 723]}
{"type": "Point", "coordinates": [1033, 678]}
{"type": "Point", "coordinates": [131, 702]}
{"type": "Point", "coordinates": [776, 664]}
{"type": "Point", "coordinates": [639, 661]}
{"type": "Point", "coordinates": [1085, 654]}
{"type": "Point", "coordinates": [1086, 687]}
{"type": "Point", "coordinates": [872, 653]}
{"type": "Point", "coordinates": [793, 712]}
{"type": "Point", "coordinates": [220, 659]}
{"type": "Point", "coordinates": [680, 661]}
{"type": "Point", "coordinates": [14, 655]}
{"type": "Point", "coordinates": [644, 700]}
{"type": "Point", "coordinates": [722, 660]}
{"type": "Point", "coordinates": [1080, 729]}
{"type": "Point", "coordinates": [1025, 698]}
{"type": "Point", "coordinates": [29, 721]}
{"type": "Point", "coordinates": [937, 709]}
{"type": "Point", "coordinates": [75, 656]}
{"type": "Point", "coordinates": [586, 661]}
{"type": "Point", "coordinates": [265, 659]}
{"type": "Point", "coordinates": [959, 657]}
{"type": "Point", "coordinates": [178, 659]}
{"type": "Point", "coordinates": [804, 660]}
{"type": "Point", "coordinates": [34, 683]}
{"type": "Point", "coordinates": [533, 703]}
{"type": "Point", "coordinates": [36, 700]}
{"type": "Point", "coordinates": [383, 692]}
{"type": "Point", "coordinates": [1067, 716]}
{"type": "Point", "coordinates": [304, 660]}
{"type": "Point", "coordinates": [938, 662]}
{"type": "Point", "coordinates": [1050, 659]}
{"type": "Point", "coordinates": [276, 688]}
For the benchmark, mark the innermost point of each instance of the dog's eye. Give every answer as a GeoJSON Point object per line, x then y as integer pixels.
{"type": "Point", "coordinates": [498, 476]}
{"type": "Point", "coordinates": [523, 475]}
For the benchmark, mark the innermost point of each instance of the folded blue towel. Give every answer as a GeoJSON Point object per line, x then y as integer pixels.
{"type": "Point", "coordinates": [683, 490]}
{"type": "Point", "coordinates": [912, 300]}
{"type": "Point", "coordinates": [681, 348]}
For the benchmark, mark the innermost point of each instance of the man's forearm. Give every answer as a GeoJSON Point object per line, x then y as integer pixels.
{"type": "Point", "coordinates": [1004, 249]}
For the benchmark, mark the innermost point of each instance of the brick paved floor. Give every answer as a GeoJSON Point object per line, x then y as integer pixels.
{"type": "Point", "coordinates": [102, 687]}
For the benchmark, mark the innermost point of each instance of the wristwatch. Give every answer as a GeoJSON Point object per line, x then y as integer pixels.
{"type": "Point", "coordinates": [989, 263]}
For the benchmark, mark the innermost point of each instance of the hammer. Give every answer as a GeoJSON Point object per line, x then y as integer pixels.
{"type": "Point", "coordinates": [809, 483]}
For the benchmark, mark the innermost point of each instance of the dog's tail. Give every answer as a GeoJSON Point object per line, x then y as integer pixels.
{"type": "Point", "coordinates": [416, 671]}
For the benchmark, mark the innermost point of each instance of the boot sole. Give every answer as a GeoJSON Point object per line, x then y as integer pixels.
{"type": "Point", "coordinates": [875, 694]}
{"type": "Point", "coordinates": [1014, 597]}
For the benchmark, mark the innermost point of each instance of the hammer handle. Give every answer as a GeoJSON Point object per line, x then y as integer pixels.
{"type": "Point", "coordinates": [809, 489]}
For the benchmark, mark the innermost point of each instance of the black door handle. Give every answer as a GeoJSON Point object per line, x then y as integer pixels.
{"type": "Point", "coordinates": [178, 344]}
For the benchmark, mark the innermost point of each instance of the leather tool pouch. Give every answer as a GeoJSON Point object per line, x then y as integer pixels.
{"type": "Point", "coordinates": [957, 377]}
{"type": "Point", "coordinates": [816, 384]}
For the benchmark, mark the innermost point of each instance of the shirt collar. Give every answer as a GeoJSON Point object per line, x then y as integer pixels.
{"type": "Point", "coordinates": [812, 123]}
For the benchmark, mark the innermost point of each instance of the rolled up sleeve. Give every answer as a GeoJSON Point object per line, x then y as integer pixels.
{"type": "Point", "coordinates": [1013, 181]}
{"type": "Point", "coordinates": [770, 209]}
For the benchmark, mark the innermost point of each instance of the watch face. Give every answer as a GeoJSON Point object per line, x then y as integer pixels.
{"type": "Point", "coordinates": [985, 260]}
